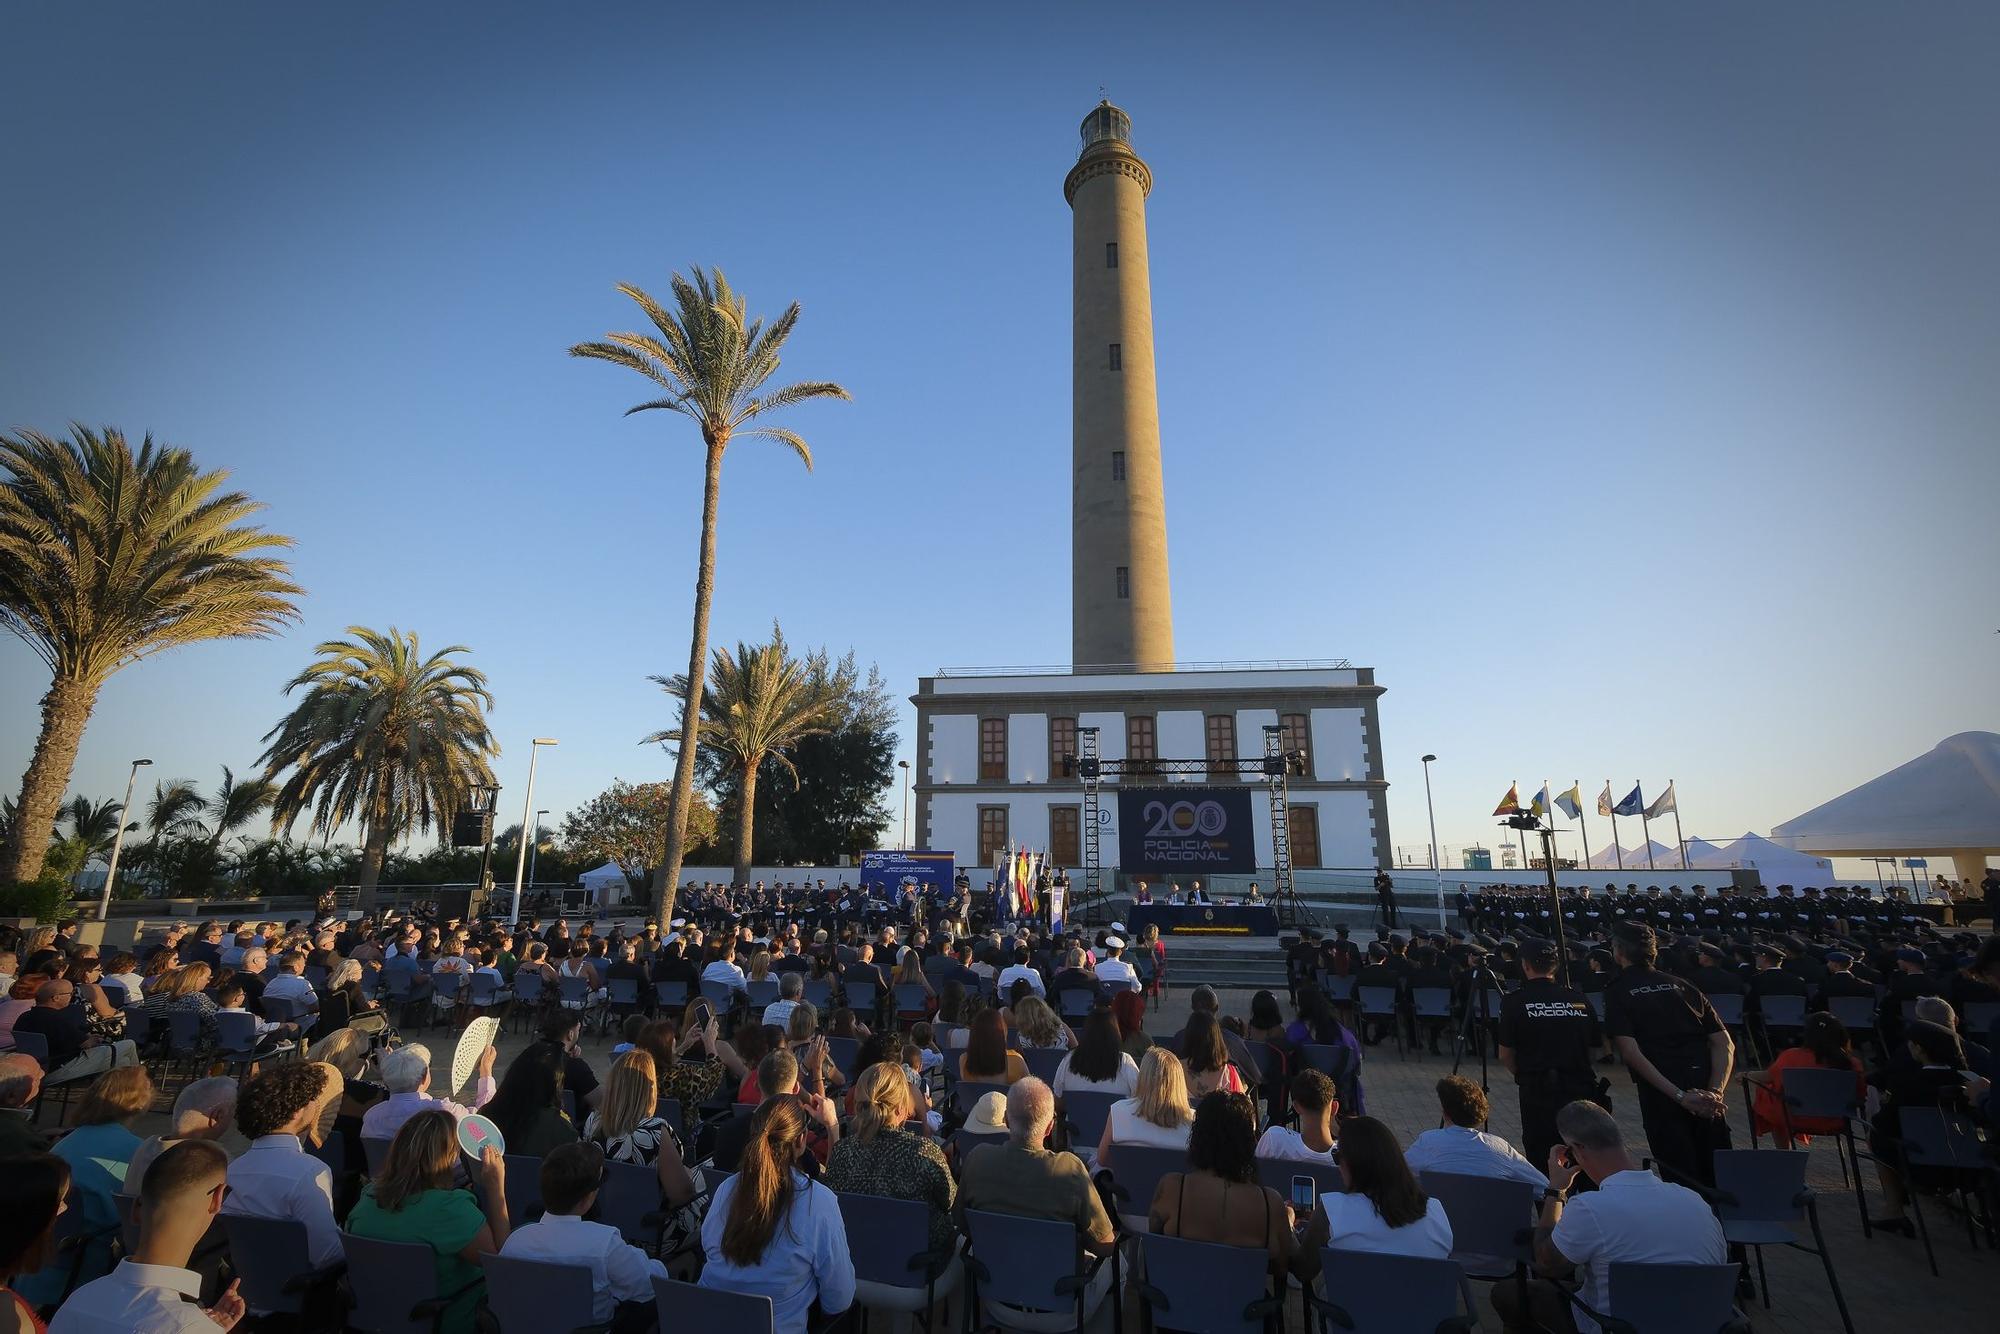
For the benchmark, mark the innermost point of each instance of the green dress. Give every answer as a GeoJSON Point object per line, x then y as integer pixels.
{"type": "Point", "coordinates": [444, 1220]}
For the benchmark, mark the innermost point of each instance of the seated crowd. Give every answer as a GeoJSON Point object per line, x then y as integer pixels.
{"type": "Point", "coordinates": [755, 1082]}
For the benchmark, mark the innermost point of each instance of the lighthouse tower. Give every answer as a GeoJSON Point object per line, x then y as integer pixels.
{"type": "Point", "coordinates": [1120, 605]}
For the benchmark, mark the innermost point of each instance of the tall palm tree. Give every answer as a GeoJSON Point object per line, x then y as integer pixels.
{"type": "Point", "coordinates": [94, 823]}
{"type": "Point", "coordinates": [108, 556]}
{"type": "Point", "coordinates": [384, 736]}
{"type": "Point", "coordinates": [756, 705]}
{"type": "Point", "coordinates": [713, 362]}
{"type": "Point", "coordinates": [176, 810]}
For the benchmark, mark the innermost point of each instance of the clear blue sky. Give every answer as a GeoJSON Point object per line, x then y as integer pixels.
{"type": "Point", "coordinates": [1622, 383]}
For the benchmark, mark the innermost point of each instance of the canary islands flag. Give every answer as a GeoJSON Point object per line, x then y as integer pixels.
{"type": "Point", "coordinates": [1540, 806]}
{"type": "Point", "coordinates": [1571, 802]}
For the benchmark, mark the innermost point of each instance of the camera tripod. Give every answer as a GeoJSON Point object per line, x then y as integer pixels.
{"type": "Point", "coordinates": [1478, 1017]}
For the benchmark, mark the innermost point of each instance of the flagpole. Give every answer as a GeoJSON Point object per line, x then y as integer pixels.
{"type": "Point", "coordinates": [1617, 845]}
{"type": "Point", "coordinates": [1677, 823]}
{"type": "Point", "coordinates": [1516, 788]}
{"type": "Point", "coordinates": [1646, 825]}
{"type": "Point", "coordinates": [1582, 825]}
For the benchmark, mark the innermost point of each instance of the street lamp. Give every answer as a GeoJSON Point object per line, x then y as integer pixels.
{"type": "Point", "coordinates": [118, 843]}
{"type": "Point", "coordinates": [535, 849]}
{"type": "Point", "coordinates": [904, 765]}
{"type": "Point", "coordinates": [1437, 867]}
{"type": "Point", "coordinates": [527, 805]}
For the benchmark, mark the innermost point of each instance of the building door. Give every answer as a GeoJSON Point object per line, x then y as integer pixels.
{"type": "Point", "coordinates": [1304, 832]}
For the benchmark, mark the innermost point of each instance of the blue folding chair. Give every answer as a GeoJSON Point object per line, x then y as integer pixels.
{"type": "Point", "coordinates": [1667, 1299]}
{"type": "Point", "coordinates": [1043, 1062]}
{"type": "Point", "coordinates": [1940, 1148]}
{"type": "Point", "coordinates": [1198, 1287]}
{"type": "Point", "coordinates": [537, 1297]}
{"type": "Point", "coordinates": [1366, 1292]}
{"type": "Point", "coordinates": [895, 1268]}
{"type": "Point", "coordinates": [1336, 1063]}
{"type": "Point", "coordinates": [274, 1263]}
{"type": "Point", "coordinates": [1086, 1115]}
{"type": "Point", "coordinates": [913, 1000]}
{"type": "Point", "coordinates": [1492, 1226]}
{"type": "Point", "coordinates": [687, 1308]}
{"type": "Point", "coordinates": [1135, 1171]}
{"type": "Point", "coordinates": [629, 1200]}
{"type": "Point", "coordinates": [376, 1148]}
{"type": "Point", "coordinates": [524, 1188]}
{"type": "Point", "coordinates": [621, 998]}
{"type": "Point", "coordinates": [395, 1287]}
{"type": "Point", "coordinates": [1277, 1174]}
{"type": "Point", "coordinates": [1010, 1265]}
{"type": "Point", "coordinates": [762, 991]}
{"type": "Point", "coordinates": [819, 994]}
{"type": "Point", "coordinates": [1075, 1002]}
{"type": "Point", "coordinates": [843, 1052]}
{"type": "Point", "coordinates": [967, 1093]}
{"type": "Point", "coordinates": [670, 995]}
{"type": "Point", "coordinates": [1380, 1003]}
{"type": "Point", "coordinates": [32, 1044]}
{"type": "Point", "coordinates": [1761, 1198]}
{"type": "Point", "coordinates": [860, 996]}
{"type": "Point", "coordinates": [963, 1142]}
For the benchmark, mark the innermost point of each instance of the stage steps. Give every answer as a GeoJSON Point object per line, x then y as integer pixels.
{"type": "Point", "coordinates": [1252, 964]}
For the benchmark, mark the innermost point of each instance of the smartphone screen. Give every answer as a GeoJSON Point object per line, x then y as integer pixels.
{"type": "Point", "coordinates": [1303, 1194]}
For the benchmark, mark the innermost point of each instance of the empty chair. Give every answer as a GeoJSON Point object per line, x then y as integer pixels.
{"type": "Point", "coordinates": [1365, 1292]}
{"type": "Point", "coordinates": [1074, 1002]}
{"type": "Point", "coordinates": [670, 995]}
{"type": "Point", "coordinates": [1016, 1271]}
{"type": "Point", "coordinates": [524, 1188]}
{"type": "Point", "coordinates": [1339, 988]}
{"type": "Point", "coordinates": [395, 1287]}
{"type": "Point", "coordinates": [1136, 1170]}
{"type": "Point", "coordinates": [1431, 1003]}
{"type": "Point", "coordinates": [1668, 1299]}
{"type": "Point", "coordinates": [279, 1010]}
{"type": "Point", "coordinates": [819, 992]}
{"type": "Point", "coordinates": [1380, 1003]}
{"type": "Point", "coordinates": [531, 993]}
{"type": "Point", "coordinates": [861, 996]}
{"type": "Point", "coordinates": [1042, 1062]}
{"type": "Point", "coordinates": [1086, 1115]}
{"type": "Point", "coordinates": [762, 991]}
{"type": "Point", "coordinates": [1856, 1013]}
{"type": "Point", "coordinates": [538, 1297]}
{"type": "Point", "coordinates": [1728, 1007]}
{"type": "Point", "coordinates": [719, 994]}
{"type": "Point", "coordinates": [1934, 1149]}
{"type": "Point", "coordinates": [1761, 1198]}
{"type": "Point", "coordinates": [1204, 1288]}
{"type": "Point", "coordinates": [894, 1267]}
{"type": "Point", "coordinates": [621, 997]}
{"type": "Point", "coordinates": [686, 1308]}
{"type": "Point", "coordinates": [273, 1262]}
{"type": "Point", "coordinates": [1492, 1225]}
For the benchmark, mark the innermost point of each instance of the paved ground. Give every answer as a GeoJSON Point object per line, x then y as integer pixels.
{"type": "Point", "coordinates": [1885, 1279]}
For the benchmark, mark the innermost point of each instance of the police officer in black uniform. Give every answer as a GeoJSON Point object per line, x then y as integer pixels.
{"type": "Point", "coordinates": [1679, 1054]}
{"type": "Point", "coordinates": [1547, 1035]}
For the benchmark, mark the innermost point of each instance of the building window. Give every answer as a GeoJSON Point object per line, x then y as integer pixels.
{"type": "Point", "coordinates": [1065, 835]}
{"type": "Point", "coordinates": [1141, 752]}
{"type": "Point", "coordinates": [1302, 828]}
{"type": "Point", "coordinates": [1062, 745]}
{"type": "Point", "coordinates": [992, 833]}
{"type": "Point", "coordinates": [1117, 465]}
{"type": "Point", "coordinates": [1124, 581]}
{"type": "Point", "coordinates": [993, 750]}
{"type": "Point", "coordinates": [1110, 254]}
{"type": "Point", "coordinates": [1117, 356]}
{"type": "Point", "coordinates": [1295, 733]}
{"type": "Point", "coordinates": [1221, 729]}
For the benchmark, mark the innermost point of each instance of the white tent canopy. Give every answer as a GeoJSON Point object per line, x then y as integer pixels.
{"type": "Point", "coordinates": [1664, 859]}
{"type": "Point", "coordinates": [1704, 855]}
{"type": "Point", "coordinates": [1777, 865]}
{"type": "Point", "coordinates": [1945, 801]}
{"type": "Point", "coordinates": [607, 884]}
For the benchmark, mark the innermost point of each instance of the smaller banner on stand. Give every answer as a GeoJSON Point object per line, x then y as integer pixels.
{"type": "Point", "coordinates": [1056, 907]}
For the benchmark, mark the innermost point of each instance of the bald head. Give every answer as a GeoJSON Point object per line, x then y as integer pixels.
{"type": "Point", "coordinates": [1031, 1107]}
{"type": "Point", "coordinates": [20, 1077]}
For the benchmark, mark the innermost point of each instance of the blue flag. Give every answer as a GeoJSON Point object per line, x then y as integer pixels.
{"type": "Point", "coordinates": [1632, 805]}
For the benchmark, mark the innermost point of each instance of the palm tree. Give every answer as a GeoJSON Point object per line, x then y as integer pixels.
{"type": "Point", "coordinates": [94, 823]}
{"type": "Point", "coordinates": [383, 736]}
{"type": "Point", "coordinates": [107, 557]}
{"type": "Point", "coordinates": [176, 810]}
{"type": "Point", "coordinates": [236, 804]}
{"type": "Point", "coordinates": [757, 705]}
{"type": "Point", "coordinates": [713, 362]}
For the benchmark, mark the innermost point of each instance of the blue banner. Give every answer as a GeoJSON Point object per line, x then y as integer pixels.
{"type": "Point", "coordinates": [1185, 829]}
{"type": "Point", "coordinates": [884, 873]}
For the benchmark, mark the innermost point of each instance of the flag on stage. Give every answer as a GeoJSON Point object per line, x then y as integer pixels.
{"type": "Point", "coordinates": [1632, 805]}
{"type": "Point", "coordinates": [1540, 806]}
{"type": "Point", "coordinates": [1511, 803]}
{"type": "Point", "coordinates": [1604, 799]}
{"type": "Point", "coordinates": [1571, 802]}
{"type": "Point", "coordinates": [1662, 804]}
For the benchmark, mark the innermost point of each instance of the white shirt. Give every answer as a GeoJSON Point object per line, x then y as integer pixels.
{"type": "Point", "coordinates": [1128, 1127]}
{"type": "Point", "coordinates": [1633, 1217]}
{"type": "Point", "coordinates": [385, 1118]}
{"type": "Point", "coordinates": [1472, 1153]}
{"type": "Point", "coordinates": [276, 1178]}
{"type": "Point", "coordinates": [1013, 972]}
{"type": "Point", "coordinates": [1125, 1083]}
{"type": "Point", "coordinates": [779, 1012]}
{"type": "Point", "coordinates": [1289, 1145]}
{"type": "Point", "coordinates": [1116, 972]}
{"type": "Point", "coordinates": [134, 1297]}
{"type": "Point", "coordinates": [291, 987]}
{"type": "Point", "coordinates": [724, 971]}
{"type": "Point", "coordinates": [619, 1271]}
{"type": "Point", "coordinates": [1355, 1226]}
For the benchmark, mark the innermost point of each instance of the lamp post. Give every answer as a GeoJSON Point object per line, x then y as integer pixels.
{"type": "Point", "coordinates": [535, 848]}
{"type": "Point", "coordinates": [1437, 867]}
{"type": "Point", "coordinates": [118, 842]}
{"type": "Point", "coordinates": [904, 765]}
{"type": "Point", "coordinates": [527, 805]}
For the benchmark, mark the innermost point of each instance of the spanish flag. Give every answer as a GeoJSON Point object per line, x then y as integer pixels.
{"type": "Point", "coordinates": [1511, 803]}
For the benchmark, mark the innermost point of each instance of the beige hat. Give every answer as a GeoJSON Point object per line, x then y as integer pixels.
{"type": "Point", "coordinates": [989, 1114]}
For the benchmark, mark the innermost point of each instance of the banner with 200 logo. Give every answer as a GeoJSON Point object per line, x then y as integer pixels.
{"type": "Point", "coordinates": [1185, 829]}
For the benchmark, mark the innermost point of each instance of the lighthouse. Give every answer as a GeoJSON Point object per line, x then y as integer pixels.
{"type": "Point", "coordinates": [1121, 610]}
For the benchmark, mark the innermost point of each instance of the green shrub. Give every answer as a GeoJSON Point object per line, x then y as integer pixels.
{"type": "Point", "coordinates": [45, 900]}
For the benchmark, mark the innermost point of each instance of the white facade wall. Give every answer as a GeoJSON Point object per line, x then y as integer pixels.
{"type": "Point", "coordinates": [1250, 725]}
{"type": "Point", "coordinates": [1027, 748]}
{"type": "Point", "coordinates": [1110, 733]}
{"type": "Point", "coordinates": [954, 748]}
{"type": "Point", "coordinates": [1339, 750]}
{"type": "Point", "coordinates": [1179, 735]}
